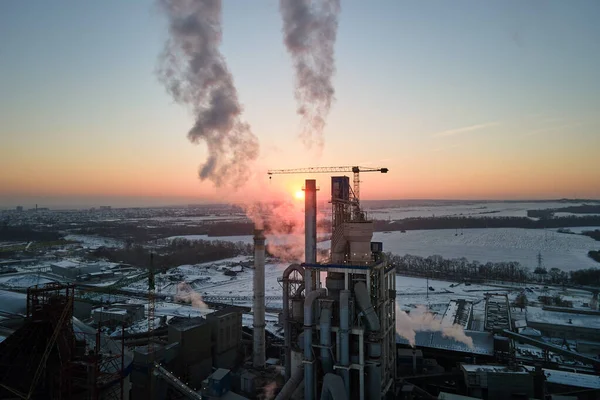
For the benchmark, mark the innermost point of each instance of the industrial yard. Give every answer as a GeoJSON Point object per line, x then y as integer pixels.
{"type": "Point", "coordinates": [237, 326]}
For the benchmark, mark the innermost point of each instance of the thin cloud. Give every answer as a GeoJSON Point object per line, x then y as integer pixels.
{"type": "Point", "coordinates": [452, 132]}
{"type": "Point", "coordinates": [553, 128]}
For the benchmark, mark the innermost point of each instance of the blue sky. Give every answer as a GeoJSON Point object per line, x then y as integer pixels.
{"type": "Point", "coordinates": [461, 99]}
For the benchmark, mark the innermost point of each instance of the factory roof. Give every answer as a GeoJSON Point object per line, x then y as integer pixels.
{"type": "Point", "coordinates": [483, 342]}
{"type": "Point", "coordinates": [538, 315]}
{"type": "Point", "coordinates": [573, 379]}
{"type": "Point", "coordinates": [452, 396]}
{"type": "Point", "coordinates": [66, 264]}
{"type": "Point", "coordinates": [219, 374]}
{"type": "Point", "coordinates": [488, 368]}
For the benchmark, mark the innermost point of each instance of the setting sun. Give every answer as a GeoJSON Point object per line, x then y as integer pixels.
{"type": "Point", "coordinates": [299, 194]}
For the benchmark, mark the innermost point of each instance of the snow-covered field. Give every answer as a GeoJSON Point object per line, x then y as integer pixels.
{"type": "Point", "coordinates": [565, 251]}
{"type": "Point", "coordinates": [499, 209]}
{"type": "Point", "coordinates": [93, 242]}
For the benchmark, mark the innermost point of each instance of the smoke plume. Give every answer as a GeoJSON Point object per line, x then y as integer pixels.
{"type": "Point", "coordinates": [195, 74]}
{"type": "Point", "coordinates": [269, 391]}
{"type": "Point", "coordinates": [186, 294]}
{"type": "Point", "coordinates": [407, 326]}
{"type": "Point", "coordinates": [283, 223]}
{"type": "Point", "coordinates": [310, 28]}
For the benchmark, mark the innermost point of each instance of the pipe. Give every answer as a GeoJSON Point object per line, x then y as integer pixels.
{"type": "Point", "coordinates": [309, 385]}
{"type": "Point", "coordinates": [333, 388]}
{"type": "Point", "coordinates": [364, 303]}
{"type": "Point", "coordinates": [325, 324]}
{"type": "Point", "coordinates": [259, 300]}
{"type": "Point", "coordinates": [290, 386]}
{"type": "Point", "coordinates": [373, 370]}
{"type": "Point", "coordinates": [345, 337]}
{"type": "Point", "coordinates": [286, 316]}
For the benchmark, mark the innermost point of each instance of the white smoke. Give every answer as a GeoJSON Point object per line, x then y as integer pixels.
{"type": "Point", "coordinates": [283, 224]}
{"type": "Point", "coordinates": [195, 74]}
{"type": "Point", "coordinates": [407, 326]}
{"type": "Point", "coordinates": [269, 391]}
{"type": "Point", "coordinates": [186, 294]}
{"type": "Point", "coordinates": [310, 30]}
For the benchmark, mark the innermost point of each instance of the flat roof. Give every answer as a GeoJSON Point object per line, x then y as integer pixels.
{"type": "Point", "coordinates": [65, 264]}
{"type": "Point", "coordinates": [538, 315]}
{"type": "Point", "coordinates": [488, 368]}
{"type": "Point", "coordinates": [483, 342]}
{"type": "Point", "coordinates": [219, 374]}
{"type": "Point", "coordinates": [567, 378]}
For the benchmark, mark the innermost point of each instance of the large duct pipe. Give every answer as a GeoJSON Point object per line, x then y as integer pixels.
{"type": "Point", "coordinates": [286, 316]}
{"type": "Point", "coordinates": [310, 233]}
{"type": "Point", "coordinates": [373, 370]}
{"type": "Point", "coordinates": [325, 325]}
{"type": "Point", "coordinates": [290, 386]}
{"type": "Point", "coordinates": [345, 337]}
{"type": "Point", "coordinates": [309, 378]}
{"type": "Point", "coordinates": [259, 299]}
{"type": "Point", "coordinates": [364, 303]}
{"type": "Point", "coordinates": [333, 388]}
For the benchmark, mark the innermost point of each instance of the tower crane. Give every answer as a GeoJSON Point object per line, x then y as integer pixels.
{"type": "Point", "coordinates": [328, 170]}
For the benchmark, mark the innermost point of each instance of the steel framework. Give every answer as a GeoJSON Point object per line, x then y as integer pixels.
{"type": "Point", "coordinates": [356, 170]}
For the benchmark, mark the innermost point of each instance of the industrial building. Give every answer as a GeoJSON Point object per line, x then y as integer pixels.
{"type": "Point", "coordinates": [118, 314]}
{"type": "Point", "coordinates": [54, 355]}
{"type": "Point", "coordinates": [337, 335]}
{"type": "Point", "coordinates": [71, 270]}
{"type": "Point", "coordinates": [340, 338]}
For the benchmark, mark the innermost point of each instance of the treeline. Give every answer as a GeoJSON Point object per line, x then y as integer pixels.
{"type": "Point", "coordinates": [247, 228]}
{"type": "Point", "coordinates": [461, 269]}
{"type": "Point", "coordinates": [485, 222]}
{"type": "Point", "coordinates": [586, 277]}
{"type": "Point", "coordinates": [26, 233]}
{"type": "Point", "coordinates": [582, 209]}
{"type": "Point", "coordinates": [174, 253]}
{"type": "Point", "coordinates": [594, 255]}
{"type": "Point", "coordinates": [139, 233]}
{"type": "Point", "coordinates": [595, 234]}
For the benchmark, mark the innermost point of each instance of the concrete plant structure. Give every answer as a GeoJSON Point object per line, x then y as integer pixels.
{"type": "Point", "coordinates": [340, 337]}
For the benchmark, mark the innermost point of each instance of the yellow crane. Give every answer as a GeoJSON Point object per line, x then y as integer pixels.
{"type": "Point", "coordinates": [356, 170]}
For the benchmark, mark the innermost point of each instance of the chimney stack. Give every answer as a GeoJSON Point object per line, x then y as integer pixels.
{"type": "Point", "coordinates": [259, 299]}
{"type": "Point", "coordinates": [310, 233]}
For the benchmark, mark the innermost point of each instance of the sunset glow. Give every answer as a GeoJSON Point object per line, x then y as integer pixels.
{"type": "Point", "coordinates": [453, 115]}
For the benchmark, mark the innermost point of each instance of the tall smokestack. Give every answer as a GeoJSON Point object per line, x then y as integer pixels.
{"type": "Point", "coordinates": [259, 299]}
{"type": "Point", "coordinates": [310, 232]}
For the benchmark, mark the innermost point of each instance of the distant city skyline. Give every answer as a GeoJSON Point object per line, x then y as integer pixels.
{"type": "Point", "coordinates": [463, 100]}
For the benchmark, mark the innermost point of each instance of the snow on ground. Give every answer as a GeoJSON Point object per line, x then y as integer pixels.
{"type": "Point", "coordinates": [93, 242]}
{"type": "Point", "coordinates": [220, 218]}
{"type": "Point", "coordinates": [499, 209]}
{"type": "Point", "coordinates": [536, 314]}
{"type": "Point", "coordinates": [23, 281]}
{"type": "Point", "coordinates": [564, 251]}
